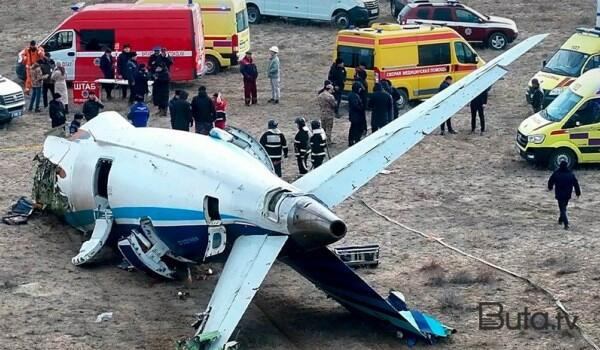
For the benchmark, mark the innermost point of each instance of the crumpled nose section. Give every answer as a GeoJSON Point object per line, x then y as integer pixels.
{"type": "Point", "coordinates": [312, 225]}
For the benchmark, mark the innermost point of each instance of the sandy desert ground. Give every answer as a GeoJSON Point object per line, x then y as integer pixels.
{"type": "Point", "coordinates": [473, 191]}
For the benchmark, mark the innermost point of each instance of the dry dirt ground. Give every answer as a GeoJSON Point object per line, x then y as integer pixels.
{"type": "Point", "coordinates": [473, 191]}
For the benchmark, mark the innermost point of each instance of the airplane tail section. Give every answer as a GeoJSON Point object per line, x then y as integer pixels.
{"type": "Point", "coordinates": [323, 268]}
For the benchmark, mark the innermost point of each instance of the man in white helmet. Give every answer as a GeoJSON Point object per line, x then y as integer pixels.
{"type": "Point", "coordinates": [273, 74]}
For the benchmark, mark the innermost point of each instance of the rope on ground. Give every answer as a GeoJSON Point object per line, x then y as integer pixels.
{"type": "Point", "coordinates": [438, 240]}
{"type": "Point", "coordinates": [34, 147]}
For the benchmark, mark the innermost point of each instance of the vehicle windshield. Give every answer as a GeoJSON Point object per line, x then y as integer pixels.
{"type": "Point", "coordinates": [561, 106]}
{"type": "Point", "coordinates": [479, 14]}
{"type": "Point", "coordinates": [566, 62]}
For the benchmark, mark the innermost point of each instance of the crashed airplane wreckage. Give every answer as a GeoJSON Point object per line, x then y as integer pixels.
{"type": "Point", "coordinates": [197, 198]}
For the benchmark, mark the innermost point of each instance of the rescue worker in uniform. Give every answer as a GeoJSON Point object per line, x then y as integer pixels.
{"type": "Point", "coordinates": [302, 145]}
{"type": "Point", "coordinates": [275, 143]}
{"type": "Point", "coordinates": [535, 96]}
{"type": "Point", "coordinates": [29, 56]}
{"type": "Point", "coordinates": [563, 181]}
{"type": "Point", "coordinates": [318, 144]}
{"type": "Point", "coordinates": [249, 74]}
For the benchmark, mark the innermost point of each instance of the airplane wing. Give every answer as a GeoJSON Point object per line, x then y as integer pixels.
{"type": "Point", "coordinates": [340, 177]}
{"type": "Point", "coordinates": [247, 265]}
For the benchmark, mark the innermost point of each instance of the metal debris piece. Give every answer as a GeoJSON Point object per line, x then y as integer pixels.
{"type": "Point", "coordinates": [105, 316]}
{"type": "Point", "coordinates": [359, 255]}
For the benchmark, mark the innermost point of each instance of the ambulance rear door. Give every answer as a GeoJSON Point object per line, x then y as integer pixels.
{"type": "Point", "coordinates": [61, 46]}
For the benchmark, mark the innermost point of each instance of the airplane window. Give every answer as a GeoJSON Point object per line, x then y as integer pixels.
{"type": "Point", "coordinates": [211, 209]}
{"type": "Point", "coordinates": [102, 172]}
{"type": "Point", "coordinates": [275, 199]}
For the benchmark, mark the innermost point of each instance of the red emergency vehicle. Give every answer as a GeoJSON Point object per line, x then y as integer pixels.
{"type": "Point", "coordinates": [78, 42]}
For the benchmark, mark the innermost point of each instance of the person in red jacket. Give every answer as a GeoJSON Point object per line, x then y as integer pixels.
{"type": "Point", "coordinates": [221, 109]}
{"type": "Point", "coordinates": [249, 73]}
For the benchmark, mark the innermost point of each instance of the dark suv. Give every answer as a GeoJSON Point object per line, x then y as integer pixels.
{"type": "Point", "coordinates": [496, 32]}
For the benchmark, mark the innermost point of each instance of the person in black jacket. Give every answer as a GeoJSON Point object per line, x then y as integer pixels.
{"type": "Point", "coordinates": [140, 85]}
{"type": "Point", "coordinates": [203, 112]}
{"type": "Point", "coordinates": [122, 70]}
{"type": "Point", "coordinates": [92, 106]}
{"type": "Point", "coordinates": [249, 75]}
{"type": "Point", "coordinates": [57, 111]}
{"type": "Point", "coordinates": [47, 64]}
{"type": "Point", "coordinates": [132, 70]}
{"type": "Point", "coordinates": [160, 89]}
{"type": "Point", "coordinates": [477, 107]}
{"type": "Point", "coordinates": [75, 123]}
{"type": "Point", "coordinates": [535, 96]}
{"type": "Point", "coordinates": [448, 123]}
{"type": "Point", "coordinates": [106, 66]}
{"type": "Point", "coordinates": [337, 76]}
{"type": "Point", "coordinates": [275, 144]}
{"type": "Point", "coordinates": [356, 114]}
{"type": "Point", "coordinates": [563, 181]}
{"type": "Point", "coordinates": [181, 111]}
{"type": "Point", "coordinates": [302, 145]}
{"type": "Point", "coordinates": [318, 144]}
{"type": "Point", "coordinates": [395, 97]}
{"type": "Point", "coordinates": [381, 107]}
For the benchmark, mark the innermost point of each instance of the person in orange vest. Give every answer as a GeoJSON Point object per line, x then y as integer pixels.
{"type": "Point", "coordinates": [29, 56]}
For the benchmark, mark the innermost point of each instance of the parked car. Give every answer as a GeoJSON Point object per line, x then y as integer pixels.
{"type": "Point", "coordinates": [397, 5]}
{"type": "Point", "coordinates": [342, 13]}
{"type": "Point", "coordinates": [496, 32]}
{"type": "Point", "coordinates": [12, 100]}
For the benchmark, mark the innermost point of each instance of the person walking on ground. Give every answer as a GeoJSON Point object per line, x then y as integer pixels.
{"type": "Point", "coordinates": [59, 77]}
{"type": "Point", "coordinates": [221, 110]}
{"type": "Point", "coordinates": [29, 56]}
{"type": "Point", "coordinates": [140, 85]}
{"type": "Point", "coordinates": [57, 111]}
{"type": "Point", "coordinates": [380, 104]}
{"type": "Point", "coordinates": [47, 65]}
{"type": "Point", "coordinates": [131, 73]}
{"type": "Point", "coordinates": [181, 111]}
{"type": "Point", "coordinates": [75, 123]}
{"type": "Point", "coordinates": [37, 79]}
{"type": "Point", "coordinates": [275, 144]}
{"type": "Point", "coordinates": [327, 106]}
{"type": "Point", "coordinates": [160, 89]}
{"type": "Point", "coordinates": [92, 107]}
{"type": "Point", "coordinates": [107, 63]}
{"type": "Point", "coordinates": [302, 145]}
{"type": "Point", "coordinates": [274, 75]}
{"type": "Point", "coordinates": [356, 114]}
{"type": "Point", "coordinates": [477, 107]}
{"type": "Point", "coordinates": [249, 74]}
{"type": "Point", "coordinates": [318, 144]}
{"type": "Point", "coordinates": [337, 76]}
{"type": "Point", "coordinates": [139, 113]}
{"type": "Point", "coordinates": [448, 123]}
{"type": "Point", "coordinates": [203, 112]}
{"type": "Point", "coordinates": [563, 181]}
{"type": "Point", "coordinates": [535, 96]}
{"type": "Point", "coordinates": [122, 68]}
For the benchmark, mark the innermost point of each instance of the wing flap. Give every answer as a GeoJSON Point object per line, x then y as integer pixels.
{"type": "Point", "coordinates": [337, 179]}
{"type": "Point", "coordinates": [247, 265]}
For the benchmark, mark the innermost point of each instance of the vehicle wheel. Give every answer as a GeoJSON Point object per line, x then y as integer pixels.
{"type": "Point", "coordinates": [254, 15]}
{"type": "Point", "coordinates": [212, 65]}
{"type": "Point", "coordinates": [341, 20]}
{"type": "Point", "coordinates": [562, 154]}
{"type": "Point", "coordinates": [403, 101]}
{"type": "Point", "coordinates": [497, 41]}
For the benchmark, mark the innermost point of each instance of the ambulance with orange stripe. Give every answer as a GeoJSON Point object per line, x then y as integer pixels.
{"type": "Point", "coordinates": [414, 58]}
{"type": "Point", "coordinates": [568, 129]}
{"type": "Point", "coordinates": [226, 31]}
{"type": "Point", "coordinates": [580, 53]}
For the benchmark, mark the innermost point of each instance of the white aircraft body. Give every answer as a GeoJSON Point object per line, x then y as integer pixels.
{"type": "Point", "coordinates": [171, 197]}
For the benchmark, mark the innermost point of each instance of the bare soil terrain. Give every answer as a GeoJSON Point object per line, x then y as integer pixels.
{"type": "Point", "coordinates": [473, 191]}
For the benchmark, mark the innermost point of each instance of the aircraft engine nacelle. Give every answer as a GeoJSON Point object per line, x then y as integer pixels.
{"type": "Point", "coordinates": [310, 223]}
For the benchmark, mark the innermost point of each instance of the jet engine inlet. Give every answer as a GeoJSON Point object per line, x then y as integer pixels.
{"type": "Point", "coordinates": [312, 225]}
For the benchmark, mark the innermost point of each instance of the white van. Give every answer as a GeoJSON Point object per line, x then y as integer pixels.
{"type": "Point", "coordinates": [343, 13]}
{"type": "Point", "coordinates": [12, 100]}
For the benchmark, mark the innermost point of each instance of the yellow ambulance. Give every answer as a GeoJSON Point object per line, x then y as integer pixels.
{"type": "Point", "coordinates": [580, 53]}
{"type": "Point", "coordinates": [226, 31]}
{"type": "Point", "coordinates": [414, 58]}
{"type": "Point", "coordinates": [568, 129]}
